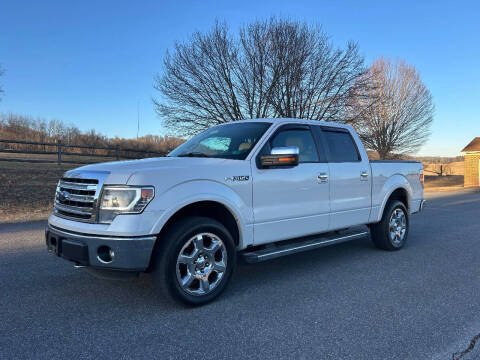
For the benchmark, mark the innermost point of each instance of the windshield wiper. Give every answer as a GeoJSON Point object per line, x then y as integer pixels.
{"type": "Point", "coordinates": [193, 154]}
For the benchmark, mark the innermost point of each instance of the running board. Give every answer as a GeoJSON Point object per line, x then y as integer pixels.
{"type": "Point", "coordinates": [288, 247]}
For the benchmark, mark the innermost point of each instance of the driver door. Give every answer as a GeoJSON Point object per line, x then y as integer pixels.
{"type": "Point", "coordinates": [290, 202]}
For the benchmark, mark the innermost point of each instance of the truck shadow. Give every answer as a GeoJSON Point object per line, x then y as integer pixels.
{"type": "Point", "coordinates": [38, 277]}
{"type": "Point", "coordinates": [13, 227]}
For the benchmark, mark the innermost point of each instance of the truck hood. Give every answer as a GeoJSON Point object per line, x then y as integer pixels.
{"type": "Point", "coordinates": [119, 172]}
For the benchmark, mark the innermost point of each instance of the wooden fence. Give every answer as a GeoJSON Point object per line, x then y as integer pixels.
{"type": "Point", "coordinates": [58, 152]}
{"type": "Point", "coordinates": [437, 171]}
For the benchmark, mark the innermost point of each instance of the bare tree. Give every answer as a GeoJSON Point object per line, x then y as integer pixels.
{"type": "Point", "coordinates": [274, 68]}
{"type": "Point", "coordinates": [198, 83]}
{"type": "Point", "coordinates": [399, 120]}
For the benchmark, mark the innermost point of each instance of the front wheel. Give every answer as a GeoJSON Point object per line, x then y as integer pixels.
{"type": "Point", "coordinates": [392, 231]}
{"type": "Point", "coordinates": [195, 260]}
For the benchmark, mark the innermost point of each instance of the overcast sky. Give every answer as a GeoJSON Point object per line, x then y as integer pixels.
{"type": "Point", "coordinates": [89, 63]}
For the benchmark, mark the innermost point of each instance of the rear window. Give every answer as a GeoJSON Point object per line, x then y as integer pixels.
{"type": "Point", "coordinates": [342, 147]}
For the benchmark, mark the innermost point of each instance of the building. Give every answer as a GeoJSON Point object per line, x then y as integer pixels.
{"type": "Point", "coordinates": [472, 163]}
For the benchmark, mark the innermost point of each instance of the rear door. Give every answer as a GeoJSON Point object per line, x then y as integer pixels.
{"type": "Point", "coordinates": [289, 202]}
{"type": "Point", "coordinates": [350, 178]}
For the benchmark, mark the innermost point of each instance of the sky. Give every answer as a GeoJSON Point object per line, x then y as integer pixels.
{"type": "Point", "coordinates": [92, 63]}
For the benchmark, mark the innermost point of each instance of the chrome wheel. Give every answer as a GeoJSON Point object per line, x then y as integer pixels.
{"type": "Point", "coordinates": [201, 264]}
{"type": "Point", "coordinates": [397, 227]}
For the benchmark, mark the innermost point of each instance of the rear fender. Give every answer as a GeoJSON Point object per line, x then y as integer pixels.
{"type": "Point", "coordinates": [381, 197]}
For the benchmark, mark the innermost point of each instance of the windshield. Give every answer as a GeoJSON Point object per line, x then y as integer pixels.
{"type": "Point", "coordinates": [231, 141]}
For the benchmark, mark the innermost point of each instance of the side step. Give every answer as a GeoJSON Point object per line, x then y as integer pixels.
{"type": "Point", "coordinates": [287, 247]}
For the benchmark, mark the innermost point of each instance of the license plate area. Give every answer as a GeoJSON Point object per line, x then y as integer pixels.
{"type": "Point", "coordinates": [73, 250]}
{"type": "Point", "coordinates": [69, 249]}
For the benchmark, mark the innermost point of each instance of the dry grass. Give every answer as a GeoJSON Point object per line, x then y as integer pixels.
{"type": "Point", "coordinates": [27, 190]}
{"type": "Point", "coordinates": [441, 183]}
{"type": "Point", "coordinates": [452, 179]}
{"type": "Point", "coordinates": [453, 168]}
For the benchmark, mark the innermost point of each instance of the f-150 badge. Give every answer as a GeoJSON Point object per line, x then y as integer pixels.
{"type": "Point", "coordinates": [237, 178]}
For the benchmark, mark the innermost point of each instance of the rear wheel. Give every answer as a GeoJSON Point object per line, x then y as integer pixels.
{"type": "Point", "coordinates": [195, 261]}
{"type": "Point", "coordinates": [392, 231]}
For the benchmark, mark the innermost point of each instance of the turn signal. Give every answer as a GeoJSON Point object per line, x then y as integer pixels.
{"type": "Point", "coordinates": [286, 159]}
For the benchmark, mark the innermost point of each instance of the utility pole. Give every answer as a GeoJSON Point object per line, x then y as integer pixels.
{"type": "Point", "coordinates": [138, 117]}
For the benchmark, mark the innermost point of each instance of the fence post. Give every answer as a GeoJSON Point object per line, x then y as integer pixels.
{"type": "Point", "coordinates": [59, 149]}
{"type": "Point", "coordinates": [116, 152]}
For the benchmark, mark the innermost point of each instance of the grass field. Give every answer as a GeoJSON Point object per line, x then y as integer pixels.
{"type": "Point", "coordinates": [439, 183]}
{"type": "Point", "coordinates": [454, 168]}
{"type": "Point", "coordinates": [27, 189]}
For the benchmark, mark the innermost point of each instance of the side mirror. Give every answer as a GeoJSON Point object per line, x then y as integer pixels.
{"type": "Point", "coordinates": [281, 156]}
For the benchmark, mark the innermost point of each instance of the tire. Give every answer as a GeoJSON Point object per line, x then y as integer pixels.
{"type": "Point", "coordinates": [195, 260]}
{"type": "Point", "coordinates": [393, 237]}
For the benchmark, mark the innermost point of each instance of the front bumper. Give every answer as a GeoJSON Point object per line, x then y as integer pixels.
{"type": "Point", "coordinates": [128, 253]}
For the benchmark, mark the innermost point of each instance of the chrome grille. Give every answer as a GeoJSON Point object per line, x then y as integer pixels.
{"type": "Point", "coordinates": [76, 198]}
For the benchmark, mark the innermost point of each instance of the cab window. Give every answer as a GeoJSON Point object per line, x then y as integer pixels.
{"type": "Point", "coordinates": [301, 138]}
{"type": "Point", "coordinates": [341, 146]}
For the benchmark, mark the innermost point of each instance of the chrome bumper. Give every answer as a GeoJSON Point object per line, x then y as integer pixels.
{"type": "Point", "coordinates": [127, 253]}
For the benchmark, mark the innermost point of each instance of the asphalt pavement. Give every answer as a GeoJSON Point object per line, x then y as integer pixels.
{"type": "Point", "coordinates": [348, 301]}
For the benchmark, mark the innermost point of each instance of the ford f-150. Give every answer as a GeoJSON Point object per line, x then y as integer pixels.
{"type": "Point", "coordinates": [251, 189]}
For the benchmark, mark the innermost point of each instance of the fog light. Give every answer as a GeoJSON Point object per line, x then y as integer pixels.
{"type": "Point", "coordinates": [105, 254]}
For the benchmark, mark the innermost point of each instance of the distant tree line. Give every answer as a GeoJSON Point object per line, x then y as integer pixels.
{"type": "Point", "coordinates": [440, 159]}
{"type": "Point", "coordinates": [26, 128]}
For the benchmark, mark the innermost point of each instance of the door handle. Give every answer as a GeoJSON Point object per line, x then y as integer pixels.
{"type": "Point", "coordinates": [363, 175]}
{"type": "Point", "coordinates": [322, 177]}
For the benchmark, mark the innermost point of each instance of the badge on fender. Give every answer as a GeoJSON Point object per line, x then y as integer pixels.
{"type": "Point", "coordinates": [237, 178]}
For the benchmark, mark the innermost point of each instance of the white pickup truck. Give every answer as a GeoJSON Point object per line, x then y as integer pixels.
{"type": "Point", "coordinates": [256, 189]}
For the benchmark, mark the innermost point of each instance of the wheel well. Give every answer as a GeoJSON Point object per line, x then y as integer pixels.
{"type": "Point", "coordinates": [399, 194]}
{"type": "Point", "coordinates": [211, 209]}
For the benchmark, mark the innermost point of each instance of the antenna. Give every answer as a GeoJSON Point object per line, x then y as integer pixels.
{"type": "Point", "coordinates": [138, 117]}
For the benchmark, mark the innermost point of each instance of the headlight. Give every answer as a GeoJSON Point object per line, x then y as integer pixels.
{"type": "Point", "coordinates": [123, 200]}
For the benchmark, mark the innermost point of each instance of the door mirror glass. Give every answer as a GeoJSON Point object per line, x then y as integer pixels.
{"type": "Point", "coordinates": [281, 156]}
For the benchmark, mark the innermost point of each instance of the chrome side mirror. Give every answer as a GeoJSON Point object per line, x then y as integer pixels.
{"type": "Point", "coordinates": [281, 156]}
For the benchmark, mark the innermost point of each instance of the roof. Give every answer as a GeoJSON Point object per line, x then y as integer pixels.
{"type": "Point", "coordinates": [473, 146]}
{"type": "Point", "coordinates": [292, 121]}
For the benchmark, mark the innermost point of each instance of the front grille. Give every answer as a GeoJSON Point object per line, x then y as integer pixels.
{"type": "Point", "coordinates": [75, 198]}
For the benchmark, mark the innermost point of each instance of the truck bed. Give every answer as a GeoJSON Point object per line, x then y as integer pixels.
{"type": "Point", "coordinates": [395, 161]}
{"type": "Point", "coordinates": [387, 174]}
